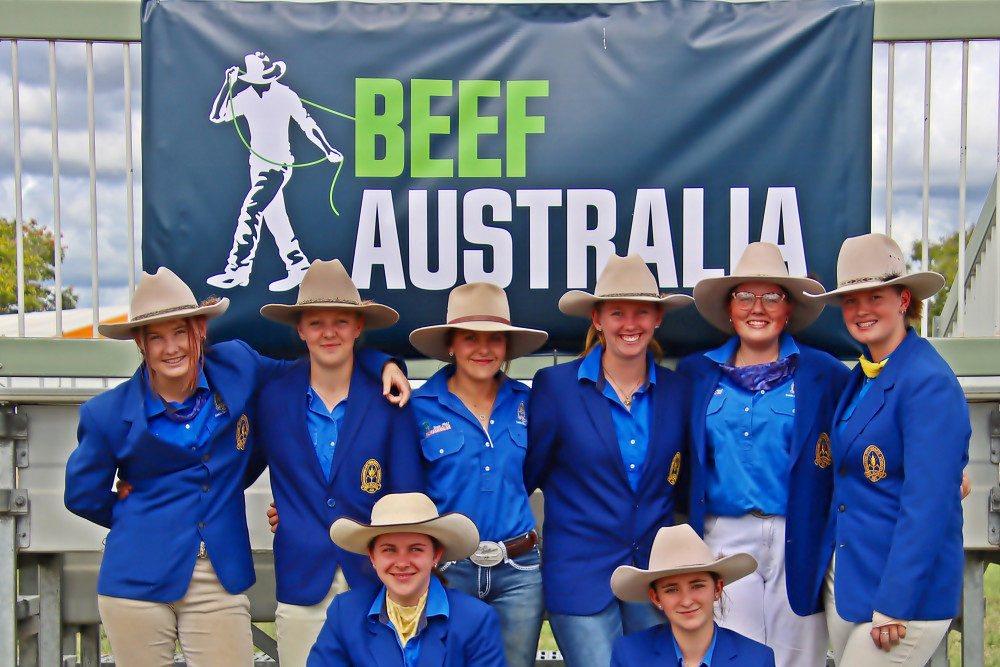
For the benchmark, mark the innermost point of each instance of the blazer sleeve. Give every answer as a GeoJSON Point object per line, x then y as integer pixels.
{"type": "Point", "coordinates": [618, 655]}
{"type": "Point", "coordinates": [407, 464]}
{"type": "Point", "coordinates": [485, 648]}
{"type": "Point", "coordinates": [330, 649]}
{"type": "Point", "coordinates": [90, 472]}
{"type": "Point", "coordinates": [543, 432]}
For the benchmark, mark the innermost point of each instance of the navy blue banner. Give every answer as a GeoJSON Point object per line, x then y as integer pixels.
{"type": "Point", "coordinates": [430, 144]}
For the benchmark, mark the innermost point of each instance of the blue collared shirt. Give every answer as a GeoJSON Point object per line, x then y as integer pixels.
{"type": "Point", "coordinates": [749, 441]}
{"type": "Point", "coordinates": [192, 434]}
{"type": "Point", "coordinates": [324, 427]}
{"type": "Point", "coordinates": [477, 472]}
{"type": "Point", "coordinates": [437, 605]}
{"type": "Point", "coordinates": [631, 427]}
{"type": "Point", "coordinates": [709, 654]}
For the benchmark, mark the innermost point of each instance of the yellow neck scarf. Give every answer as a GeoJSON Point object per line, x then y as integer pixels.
{"type": "Point", "coordinates": [871, 368]}
{"type": "Point", "coordinates": [406, 620]}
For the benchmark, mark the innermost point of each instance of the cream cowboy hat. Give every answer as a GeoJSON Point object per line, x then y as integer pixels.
{"type": "Point", "coordinates": [160, 296]}
{"type": "Point", "coordinates": [677, 550]}
{"type": "Point", "coordinates": [623, 279]}
{"type": "Point", "coordinates": [477, 307]}
{"type": "Point", "coordinates": [875, 260]}
{"type": "Point", "coordinates": [327, 285]}
{"type": "Point", "coordinates": [409, 513]}
{"type": "Point", "coordinates": [256, 72]}
{"type": "Point", "coordinates": [761, 262]}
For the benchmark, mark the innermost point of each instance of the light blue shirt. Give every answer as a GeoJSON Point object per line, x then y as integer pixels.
{"type": "Point", "coordinates": [437, 605]}
{"type": "Point", "coordinates": [709, 654]}
{"type": "Point", "coordinates": [749, 441]}
{"type": "Point", "coordinates": [477, 472]}
{"type": "Point", "coordinates": [324, 427]}
{"type": "Point", "coordinates": [192, 434]}
{"type": "Point", "coordinates": [631, 427]}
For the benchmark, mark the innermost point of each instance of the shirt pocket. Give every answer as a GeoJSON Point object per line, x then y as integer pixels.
{"type": "Point", "coordinates": [441, 445]}
{"type": "Point", "coordinates": [519, 436]}
{"type": "Point", "coordinates": [716, 403]}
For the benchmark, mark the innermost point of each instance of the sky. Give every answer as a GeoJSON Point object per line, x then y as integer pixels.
{"type": "Point", "coordinates": [74, 187]}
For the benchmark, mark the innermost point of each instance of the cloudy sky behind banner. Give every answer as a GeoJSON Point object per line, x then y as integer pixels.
{"type": "Point", "coordinates": [109, 120]}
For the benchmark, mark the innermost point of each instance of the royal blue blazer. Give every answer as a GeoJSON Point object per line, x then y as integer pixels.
{"type": "Point", "coordinates": [655, 646]}
{"type": "Point", "coordinates": [818, 383]}
{"type": "Point", "coordinates": [181, 497]}
{"type": "Point", "coordinates": [896, 514]}
{"type": "Point", "coordinates": [594, 522]}
{"type": "Point", "coordinates": [469, 637]}
{"type": "Point", "coordinates": [377, 453]}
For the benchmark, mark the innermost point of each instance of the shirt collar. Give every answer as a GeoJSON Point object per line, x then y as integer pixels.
{"type": "Point", "coordinates": [590, 369]}
{"type": "Point", "coordinates": [437, 604]}
{"type": "Point", "coordinates": [722, 355]}
{"type": "Point", "coordinates": [154, 404]}
{"type": "Point", "coordinates": [707, 660]}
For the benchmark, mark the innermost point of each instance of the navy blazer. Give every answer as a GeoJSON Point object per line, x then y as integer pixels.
{"type": "Point", "coordinates": [469, 637]}
{"type": "Point", "coordinates": [377, 453]}
{"type": "Point", "coordinates": [818, 383]}
{"type": "Point", "coordinates": [655, 646]}
{"type": "Point", "coordinates": [181, 497]}
{"type": "Point", "coordinates": [896, 514]}
{"type": "Point", "coordinates": [594, 522]}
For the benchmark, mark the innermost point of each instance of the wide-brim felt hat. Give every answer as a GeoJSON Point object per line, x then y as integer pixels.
{"type": "Point", "coordinates": [256, 73]}
{"type": "Point", "coordinates": [677, 550]}
{"type": "Point", "coordinates": [761, 262]}
{"type": "Point", "coordinates": [477, 307]}
{"type": "Point", "coordinates": [327, 285]}
{"type": "Point", "coordinates": [159, 297]}
{"type": "Point", "coordinates": [875, 260]}
{"type": "Point", "coordinates": [623, 279]}
{"type": "Point", "coordinates": [409, 513]}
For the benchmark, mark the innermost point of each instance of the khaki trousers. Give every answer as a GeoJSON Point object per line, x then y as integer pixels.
{"type": "Point", "coordinates": [211, 624]}
{"type": "Point", "coordinates": [298, 627]}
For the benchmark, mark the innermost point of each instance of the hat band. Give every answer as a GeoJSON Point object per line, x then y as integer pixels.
{"type": "Point", "coordinates": [870, 279]}
{"type": "Point", "coordinates": [615, 295]}
{"type": "Point", "coordinates": [155, 313]}
{"type": "Point", "coordinates": [479, 318]}
{"type": "Point", "coordinates": [309, 302]}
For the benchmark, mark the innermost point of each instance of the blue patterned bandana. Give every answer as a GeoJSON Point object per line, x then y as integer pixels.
{"type": "Point", "coordinates": [762, 377]}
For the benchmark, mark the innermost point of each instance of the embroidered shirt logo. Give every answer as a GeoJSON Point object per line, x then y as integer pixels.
{"type": "Point", "coordinates": [675, 469]}
{"type": "Point", "coordinates": [432, 430]}
{"type": "Point", "coordinates": [371, 476]}
{"type": "Point", "coordinates": [718, 392]}
{"type": "Point", "coordinates": [242, 431]}
{"type": "Point", "coordinates": [874, 464]}
{"type": "Point", "coordinates": [823, 456]}
{"type": "Point", "coordinates": [522, 415]}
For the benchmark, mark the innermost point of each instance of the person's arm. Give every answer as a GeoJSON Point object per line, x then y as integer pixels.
{"type": "Point", "coordinates": [485, 649]}
{"type": "Point", "coordinates": [315, 134]}
{"type": "Point", "coordinates": [543, 433]}
{"type": "Point", "coordinates": [330, 649]}
{"type": "Point", "coordinates": [392, 370]}
{"type": "Point", "coordinates": [222, 108]}
{"type": "Point", "coordinates": [90, 471]}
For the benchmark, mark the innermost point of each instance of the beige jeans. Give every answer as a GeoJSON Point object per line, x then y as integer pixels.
{"type": "Point", "coordinates": [211, 624]}
{"type": "Point", "coordinates": [298, 627]}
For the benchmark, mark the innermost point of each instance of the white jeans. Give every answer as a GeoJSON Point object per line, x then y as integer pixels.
{"type": "Point", "coordinates": [853, 645]}
{"type": "Point", "coordinates": [756, 606]}
{"type": "Point", "coordinates": [298, 627]}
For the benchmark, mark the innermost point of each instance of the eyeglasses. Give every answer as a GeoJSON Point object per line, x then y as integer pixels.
{"type": "Point", "coordinates": [745, 300]}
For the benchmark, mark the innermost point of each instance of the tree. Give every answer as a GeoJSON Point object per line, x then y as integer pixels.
{"type": "Point", "coordinates": [39, 267]}
{"type": "Point", "coordinates": [943, 258]}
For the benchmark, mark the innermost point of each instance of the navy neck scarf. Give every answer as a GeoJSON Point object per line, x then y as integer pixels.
{"type": "Point", "coordinates": [762, 377]}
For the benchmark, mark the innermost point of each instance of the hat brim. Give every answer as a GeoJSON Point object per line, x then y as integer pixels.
{"type": "Point", "coordinates": [432, 341]}
{"type": "Point", "coordinates": [631, 584]}
{"type": "Point", "coordinates": [579, 303]}
{"type": "Point", "coordinates": [711, 297]}
{"type": "Point", "coordinates": [456, 533]}
{"type": "Point", "coordinates": [123, 330]}
{"type": "Point", "coordinates": [272, 73]}
{"type": "Point", "coordinates": [922, 284]}
{"type": "Point", "coordinates": [376, 315]}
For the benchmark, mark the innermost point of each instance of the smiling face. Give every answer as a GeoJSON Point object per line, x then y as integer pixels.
{"type": "Point", "coordinates": [759, 324]}
{"type": "Point", "coordinates": [329, 334]}
{"type": "Point", "coordinates": [877, 318]}
{"type": "Point", "coordinates": [403, 562]}
{"type": "Point", "coordinates": [687, 600]}
{"type": "Point", "coordinates": [172, 350]}
{"type": "Point", "coordinates": [478, 354]}
{"type": "Point", "coordinates": [627, 326]}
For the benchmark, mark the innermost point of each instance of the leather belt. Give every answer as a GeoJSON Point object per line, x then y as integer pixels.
{"type": "Point", "coordinates": [492, 553]}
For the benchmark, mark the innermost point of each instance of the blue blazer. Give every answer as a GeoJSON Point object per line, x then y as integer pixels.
{"type": "Point", "coordinates": [594, 522]}
{"type": "Point", "coordinates": [180, 497]}
{"type": "Point", "coordinates": [896, 514]}
{"type": "Point", "coordinates": [377, 453]}
{"type": "Point", "coordinates": [655, 646]}
{"type": "Point", "coordinates": [469, 637]}
{"type": "Point", "coordinates": [819, 381]}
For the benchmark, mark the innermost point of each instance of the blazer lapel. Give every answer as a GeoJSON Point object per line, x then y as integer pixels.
{"type": "Point", "coordinates": [359, 399]}
{"type": "Point", "coordinates": [384, 645]}
{"type": "Point", "coordinates": [865, 411]}
{"type": "Point", "coordinates": [596, 406]}
{"type": "Point", "coordinates": [432, 644]}
{"type": "Point", "coordinates": [708, 375]}
{"type": "Point", "coordinates": [807, 398]}
{"type": "Point", "coordinates": [725, 648]}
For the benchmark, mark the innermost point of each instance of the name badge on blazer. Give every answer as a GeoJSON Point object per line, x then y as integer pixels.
{"type": "Point", "coordinates": [874, 463]}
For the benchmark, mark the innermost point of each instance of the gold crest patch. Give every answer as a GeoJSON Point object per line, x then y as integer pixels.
{"type": "Point", "coordinates": [371, 476]}
{"type": "Point", "coordinates": [874, 464]}
{"type": "Point", "coordinates": [242, 431]}
{"type": "Point", "coordinates": [675, 469]}
{"type": "Point", "coordinates": [823, 456]}
{"type": "Point", "coordinates": [220, 405]}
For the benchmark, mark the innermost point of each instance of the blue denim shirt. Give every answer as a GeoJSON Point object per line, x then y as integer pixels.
{"type": "Point", "coordinates": [749, 441]}
{"type": "Point", "coordinates": [191, 434]}
{"type": "Point", "coordinates": [709, 654]}
{"type": "Point", "coordinates": [631, 427]}
{"type": "Point", "coordinates": [437, 605]}
{"type": "Point", "coordinates": [324, 427]}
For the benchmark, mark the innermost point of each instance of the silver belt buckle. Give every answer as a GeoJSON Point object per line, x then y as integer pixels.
{"type": "Point", "coordinates": [489, 554]}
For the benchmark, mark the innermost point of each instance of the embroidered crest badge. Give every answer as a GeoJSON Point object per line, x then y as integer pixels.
{"type": "Point", "coordinates": [220, 405]}
{"type": "Point", "coordinates": [874, 463]}
{"type": "Point", "coordinates": [522, 415]}
{"type": "Point", "coordinates": [371, 476]}
{"type": "Point", "coordinates": [242, 431]}
{"type": "Point", "coordinates": [823, 456]}
{"type": "Point", "coordinates": [675, 469]}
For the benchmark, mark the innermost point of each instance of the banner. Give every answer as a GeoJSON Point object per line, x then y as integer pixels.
{"type": "Point", "coordinates": [427, 145]}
